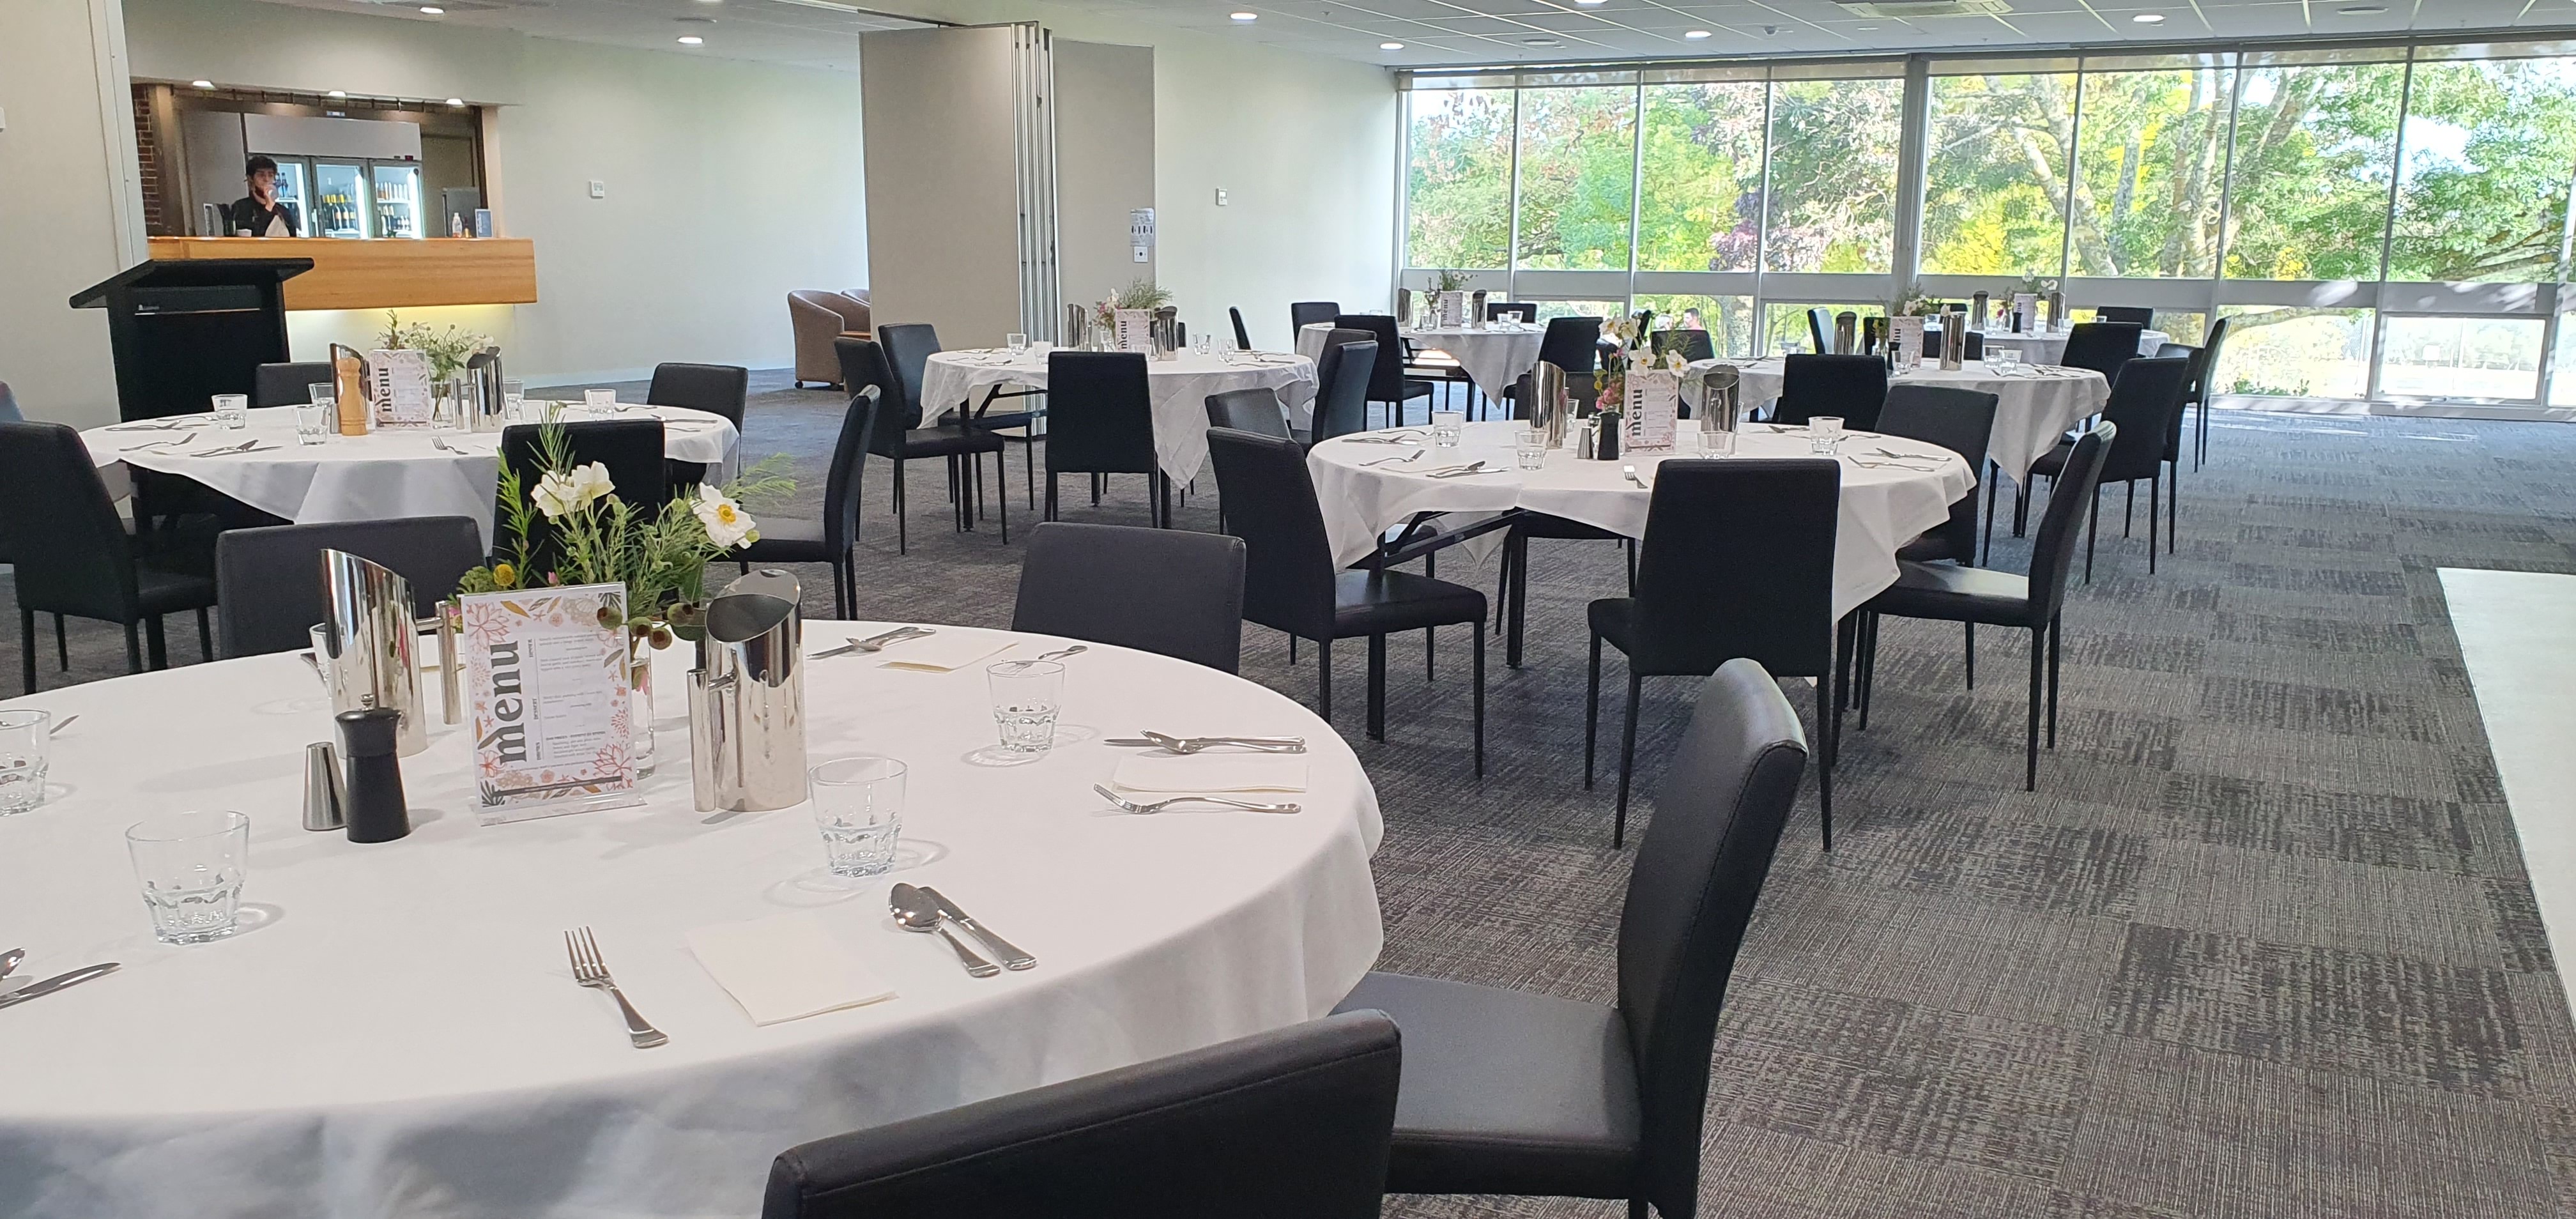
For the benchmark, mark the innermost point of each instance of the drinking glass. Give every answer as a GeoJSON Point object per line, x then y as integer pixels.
{"type": "Point", "coordinates": [1025, 697]}
{"type": "Point", "coordinates": [1447, 427]}
{"type": "Point", "coordinates": [600, 399]}
{"type": "Point", "coordinates": [2006, 359]}
{"type": "Point", "coordinates": [1824, 432]}
{"type": "Point", "coordinates": [1016, 342]}
{"type": "Point", "coordinates": [514, 397]}
{"type": "Point", "coordinates": [1716, 443]}
{"type": "Point", "coordinates": [1529, 445]}
{"type": "Point", "coordinates": [314, 420]}
{"type": "Point", "coordinates": [191, 867]}
{"type": "Point", "coordinates": [26, 738]}
{"type": "Point", "coordinates": [858, 805]}
{"type": "Point", "coordinates": [1205, 344]}
{"type": "Point", "coordinates": [232, 410]}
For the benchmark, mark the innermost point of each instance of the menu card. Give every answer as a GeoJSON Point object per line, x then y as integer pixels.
{"type": "Point", "coordinates": [1654, 403]}
{"type": "Point", "coordinates": [546, 685]}
{"type": "Point", "coordinates": [1135, 330]}
{"type": "Point", "coordinates": [398, 387]}
{"type": "Point", "coordinates": [1905, 338]}
{"type": "Point", "coordinates": [2025, 309]}
{"type": "Point", "coordinates": [1452, 309]}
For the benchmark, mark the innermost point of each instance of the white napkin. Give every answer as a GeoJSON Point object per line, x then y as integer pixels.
{"type": "Point", "coordinates": [1205, 773]}
{"type": "Point", "coordinates": [946, 652]}
{"type": "Point", "coordinates": [784, 968]}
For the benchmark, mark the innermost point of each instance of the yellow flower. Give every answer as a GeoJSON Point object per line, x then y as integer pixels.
{"type": "Point", "coordinates": [505, 576]}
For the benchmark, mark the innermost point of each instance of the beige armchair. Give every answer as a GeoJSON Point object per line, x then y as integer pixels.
{"type": "Point", "coordinates": [818, 318]}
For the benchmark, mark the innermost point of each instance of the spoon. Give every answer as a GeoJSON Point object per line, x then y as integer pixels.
{"type": "Point", "coordinates": [1159, 805]}
{"type": "Point", "coordinates": [916, 912]}
{"type": "Point", "coordinates": [9, 960]}
{"type": "Point", "coordinates": [1415, 455]}
{"type": "Point", "coordinates": [1061, 653]}
{"type": "Point", "coordinates": [1473, 467]}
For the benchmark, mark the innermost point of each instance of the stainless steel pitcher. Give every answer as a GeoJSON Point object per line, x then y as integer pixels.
{"type": "Point", "coordinates": [747, 700]}
{"type": "Point", "coordinates": [1476, 310]}
{"type": "Point", "coordinates": [1845, 323]}
{"type": "Point", "coordinates": [1548, 409]}
{"type": "Point", "coordinates": [367, 649]}
{"type": "Point", "coordinates": [1404, 307]}
{"type": "Point", "coordinates": [1978, 310]}
{"type": "Point", "coordinates": [1721, 405]}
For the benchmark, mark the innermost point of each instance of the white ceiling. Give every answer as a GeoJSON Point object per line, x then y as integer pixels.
{"type": "Point", "coordinates": [1442, 32]}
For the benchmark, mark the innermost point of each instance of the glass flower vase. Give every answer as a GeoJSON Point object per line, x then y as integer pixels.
{"type": "Point", "coordinates": [639, 708]}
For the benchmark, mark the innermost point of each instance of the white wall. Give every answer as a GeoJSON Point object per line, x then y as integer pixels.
{"type": "Point", "coordinates": [729, 184]}
{"type": "Point", "coordinates": [69, 209]}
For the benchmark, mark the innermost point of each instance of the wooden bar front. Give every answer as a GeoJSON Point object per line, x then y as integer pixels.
{"type": "Point", "coordinates": [383, 274]}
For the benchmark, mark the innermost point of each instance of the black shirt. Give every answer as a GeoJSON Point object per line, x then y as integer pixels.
{"type": "Point", "coordinates": [246, 213]}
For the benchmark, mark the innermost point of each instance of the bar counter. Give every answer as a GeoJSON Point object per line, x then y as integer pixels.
{"type": "Point", "coordinates": [393, 273]}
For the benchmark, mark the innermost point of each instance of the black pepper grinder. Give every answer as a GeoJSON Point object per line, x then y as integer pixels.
{"type": "Point", "coordinates": [375, 810]}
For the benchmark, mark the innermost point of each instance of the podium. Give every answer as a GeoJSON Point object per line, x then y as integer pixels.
{"type": "Point", "coordinates": [182, 332]}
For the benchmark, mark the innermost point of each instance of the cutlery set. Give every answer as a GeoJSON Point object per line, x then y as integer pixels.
{"type": "Point", "coordinates": [1415, 455]}
{"type": "Point", "coordinates": [1159, 805]}
{"type": "Point", "coordinates": [1468, 470]}
{"type": "Point", "coordinates": [1411, 437]}
{"type": "Point", "coordinates": [876, 643]}
{"type": "Point", "coordinates": [1197, 744]}
{"type": "Point", "coordinates": [928, 911]}
{"type": "Point", "coordinates": [36, 990]}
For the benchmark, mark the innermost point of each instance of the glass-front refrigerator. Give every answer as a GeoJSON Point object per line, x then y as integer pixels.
{"type": "Point", "coordinates": [291, 195]}
{"type": "Point", "coordinates": [340, 200]}
{"type": "Point", "coordinates": [397, 199]}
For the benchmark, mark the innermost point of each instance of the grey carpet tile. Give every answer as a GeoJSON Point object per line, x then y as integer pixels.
{"type": "Point", "coordinates": [2261, 945]}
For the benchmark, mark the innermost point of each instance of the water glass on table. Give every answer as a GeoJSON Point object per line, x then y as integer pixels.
{"type": "Point", "coordinates": [2006, 360]}
{"type": "Point", "coordinates": [1824, 433]}
{"type": "Point", "coordinates": [600, 399]}
{"type": "Point", "coordinates": [232, 410]}
{"type": "Point", "coordinates": [1447, 427]}
{"type": "Point", "coordinates": [1016, 342]}
{"type": "Point", "coordinates": [858, 806]}
{"type": "Point", "coordinates": [320, 414]}
{"type": "Point", "coordinates": [1529, 446]}
{"type": "Point", "coordinates": [1026, 694]}
{"type": "Point", "coordinates": [191, 866]}
{"type": "Point", "coordinates": [514, 401]}
{"type": "Point", "coordinates": [26, 742]}
{"type": "Point", "coordinates": [1715, 441]}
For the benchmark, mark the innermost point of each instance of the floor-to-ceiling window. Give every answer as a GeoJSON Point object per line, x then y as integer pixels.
{"type": "Point", "coordinates": [2384, 222]}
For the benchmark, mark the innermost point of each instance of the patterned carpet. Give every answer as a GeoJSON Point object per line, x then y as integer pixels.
{"type": "Point", "coordinates": [2261, 945]}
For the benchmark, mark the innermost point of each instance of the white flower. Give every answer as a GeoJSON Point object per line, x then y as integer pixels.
{"type": "Point", "coordinates": [591, 482]}
{"type": "Point", "coordinates": [727, 524]}
{"type": "Point", "coordinates": [555, 495]}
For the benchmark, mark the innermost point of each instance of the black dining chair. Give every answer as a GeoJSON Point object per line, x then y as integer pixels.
{"type": "Point", "coordinates": [1249, 410]}
{"type": "Point", "coordinates": [1342, 385]}
{"type": "Point", "coordinates": [1242, 337]}
{"type": "Point", "coordinates": [70, 551]}
{"type": "Point", "coordinates": [1710, 590]}
{"type": "Point", "coordinates": [2034, 602]}
{"type": "Point", "coordinates": [1288, 1124]}
{"type": "Point", "coordinates": [1850, 388]}
{"type": "Point", "coordinates": [1290, 584]}
{"type": "Point", "coordinates": [2102, 347]}
{"type": "Point", "coordinates": [908, 347]}
{"type": "Point", "coordinates": [1387, 382]}
{"type": "Point", "coordinates": [1496, 311]}
{"type": "Point", "coordinates": [269, 581]}
{"type": "Point", "coordinates": [2195, 392]}
{"type": "Point", "coordinates": [895, 432]}
{"type": "Point", "coordinates": [833, 537]}
{"type": "Point", "coordinates": [1302, 314]}
{"type": "Point", "coordinates": [1962, 421]}
{"type": "Point", "coordinates": [1820, 329]}
{"type": "Point", "coordinates": [1972, 349]}
{"type": "Point", "coordinates": [1080, 582]}
{"type": "Point", "coordinates": [1693, 344]}
{"type": "Point", "coordinates": [288, 384]}
{"type": "Point", "coordinates": [2144, 317]}
{"type": "Point", "coordinates": [1101, 421]}
{"type": "Point", "coordinates": [2212, 351]}
{"type": "Point", "coordinates": [630, 448]}
{"type": "Point", "coordinates": [717, 389]}
{"type": "Point", "coordinates": [2145, 401]}
{"type": "Point", "coordinates": [1573, 344]}
{"type": "Point", "coordinates": [1512, 1092]}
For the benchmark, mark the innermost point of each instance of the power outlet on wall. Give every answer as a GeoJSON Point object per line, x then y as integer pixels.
{"type": "Point", "coordinates": [598, 189]}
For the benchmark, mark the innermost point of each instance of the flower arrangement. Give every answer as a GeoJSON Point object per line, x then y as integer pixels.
{"type": "Point", "coordinates": [1140, 293]}
{"type": "Point", "coordinates": [2037, 286]}
{"type": "Point", "coordinates": [1446, 280]}
{"type": "Point", "coordinates": [1919, 306]}
{"type": "Point", "coordinates": [1635, 336]}
{"type": "Point", "coordinates": [447, 350]}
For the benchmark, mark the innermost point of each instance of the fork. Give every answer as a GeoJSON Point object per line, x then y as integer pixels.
{"type": "Point", "coordinates": [591, 971]}
{"type": "Point", "coordinates": [157, 444]}
{"type": "Point", "coordinates": [1159, 805]}
{"type": "Point", "coordinates": [1415, 455]}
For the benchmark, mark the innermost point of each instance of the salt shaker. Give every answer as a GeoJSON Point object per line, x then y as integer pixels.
{"type": "Point", "coordinates": [322, 795]}
{"type": "Point", "coordinates": [372, 798]}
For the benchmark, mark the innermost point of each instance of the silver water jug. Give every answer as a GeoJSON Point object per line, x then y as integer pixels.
{"type": "Point", "coordinates": [2055, 313]}
{"type": "Point", "coordinates": [367, 646]}
{"type": "Point", "coordinates": [1077, 329]}
{"type": "Point", "coordinates": [1845, 323]}
{"type": "Point", "coordinates": [1546, 405]}
{"type": "Point", "coordinates": [1404, 307]}
{"type": "Point", "coordinates": [1166, 331]}
{"type": "Point", "coordinates": [1476, 310]}
{"type": "Point", "coordinates": [1721, 405]}
{"type": "Point", "coordinates": [747, 699]}
{"type": "Point", "coordinates": [1978, 311]}
{"type": "Point", "coordinates": [480, 406]}
{"type": "Point", "coordinates": [1954, 343]}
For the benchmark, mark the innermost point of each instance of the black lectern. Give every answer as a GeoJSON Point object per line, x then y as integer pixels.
{"type": "Point", "coordinates": [183, 331]}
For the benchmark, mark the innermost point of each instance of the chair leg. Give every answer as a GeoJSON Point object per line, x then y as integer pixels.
{"type": "Point", "coordinates": [2173, 510]}
{"type": "Point", "coordinates": [1098, 483]}
{"type": "Point", "coordinates": [1377, 688]}
{"type": "Point", "coordinates": [1430, 637]}
{"type": "Point", "coordinates": [2129, 514]}
{"type": "Point", "coordinates": [1868, 655]}
{"type": "Point", "coordinates": [1993, 486]}
{"type": "Point", "coordinates": [902, 538]}
{"type": "Point", "coordinates": [2052, 681]}
{"type": "Point", "coordinates": [2155, 488]}
{"type": "Point", "coordinates": [205, 637]}
{"type": "Point", "coordinates": [1050, 495]}
{"type": "Point", "coordinates": [133, 648]}
{"type": "Point", "coordinates": [1627, 756]}
{"type": "Point", "coordinates": [2021, 509]}
{"type": "Point", "coordinates": [1478, 637]}
{"type": "Point", "coordinates": [156, 642]}
{"type": "Point", "coordinates": [1520, 600]}
{"type": "Point", "coordinates": [1630, 545]}
{"type": "Point", "coordinates": [1292, 649]}
{"type": "Point", "coordinates": [27, 648]}
{"type": "Point", "coordinates": [2038, 671]}
{"type": "Point", "coordinates": [1001, 496]}
{"type": "Point", "coordinates": [1827, 719]}
{"type": "Point", "coordinates": [1972, 655]}
{"type": "Point", "coordinates": [2092, 531]}
{"type": "Point", "coordinates": [62, 647]}
{"type": "Point", "coordinates": [1324, 679]}
{"type": "Point", "coordinates": [1503, 586]}
{"type": "Point", "coordinates": [1592, 713]}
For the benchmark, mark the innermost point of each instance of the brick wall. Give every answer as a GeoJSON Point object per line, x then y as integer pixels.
{"type": "Point", "coordinates": [154, 220]}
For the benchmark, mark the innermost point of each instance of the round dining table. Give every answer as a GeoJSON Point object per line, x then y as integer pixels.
{"type": "Point", "coordinates": [389, 472]}
{"type": "Point", "coordinates": [1178, 387]}
{"type": "Point", "coordinates": [1892, 489]}
{"type": "Point", "coordinates": [2049, 346]}
{"type": "Point", "coordinates": [1494, 356]}
{"type": "Point", "coordinates": [2034, 405]}
{"type": "Point", "coordinates": [397, 1029]}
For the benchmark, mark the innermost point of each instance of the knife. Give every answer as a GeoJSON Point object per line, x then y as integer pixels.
{"type": "Point", "coordinates": [1012, 957]}
{"type": "Point", "coordinates": [39, 989]}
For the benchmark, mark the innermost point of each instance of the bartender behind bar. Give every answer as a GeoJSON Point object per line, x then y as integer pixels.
{"type": "Point", "coordinates": [259, 214]}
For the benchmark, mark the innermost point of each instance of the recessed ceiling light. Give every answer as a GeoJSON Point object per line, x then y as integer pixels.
{"type": "Point", "coordinates": [1695, 33]}
{"type": "Point", "coordinates": [203, 84]}
{"type": "Point", "coordinates": [1390, 46]}
{"type": "Point", "coordinates": [339, 93]}
{"type": "Point", "coordinates": [456, 101]}
{"type": "Point", "coordinates": [691, 40]}
{"type": "Point", "coordinates": [1589, 1]}
{"type": "Point", "coordinates": [2359, 10]}
{"type": "Point", "coordinates": [2149, 18]}
{"type": "Point", "coordinates": [432, 9]}
{"type": "Point", "coordinates": [1245, 16]}
{"type": "Point", "coordinates": [1541, 42]}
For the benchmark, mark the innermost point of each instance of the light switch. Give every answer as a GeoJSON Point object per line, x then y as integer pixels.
{"type": "Point", "coordinates": [598, 189]}
{"type": "Point", "coordinates": [1220, 196]}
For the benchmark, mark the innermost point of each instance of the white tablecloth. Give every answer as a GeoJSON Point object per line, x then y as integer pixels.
{"type": "Point", "coordinates": [2050, 347]}
{"type": "Point", "coordinates": [1179, 387]}
{"type": "Point", "coordinates": [1883, 507]}
{"type": "Point", "coordinates": [403, 1036]}
{"type": "Point", "coordinates": [2033, 407]}
{"type": "Point", "coordinates": [377, 476]}
{"type": "Point", "coordinates": [1494, 358]}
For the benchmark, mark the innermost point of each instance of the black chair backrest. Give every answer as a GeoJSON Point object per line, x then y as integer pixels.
{"type": "Point", "coordinates": [1699, 868]}
{"type": "Point", "coordinates": [1343, 376]}
{"type": "Point", "coordinates": [1242, 337]}
{"type": "Point", "coordinates": [1288, 1124]}
{"type": "Point", "coordinates": [269, 580]}
{"type": "Point", "coordinates": [2144, 317]}
{"type": "Point", "coordinates": [2146, 402]}
{"type": "Point", "coordinates": [2212, 350]}
{"type": "Point", "coordinates": [1738, 560]}
{"type": "Point", "coordinates": [863, 362]}
{"type": "Point", "coordinates": [2052, 547]}
{"type": "Point", "coordinates": [1270, 504]}
{"type": "Point", "coordinates": [630, 448]}
{"type": "Point", "coordinates": [2195, 387]}
{"type": "Point", "coordinates": [718, 389]}
{"type": "Point", "coordinates": [1820, 328]}
{"type": "Point", "coordinates": [59, 527]}
{"type": "Point", "coordinates": [908, 348]}
{"type": "Point", "coordinates": [1386, 376]}
{"type": "Point", "coordinates": [1248, 410]}
{"type": "Point", "coordinates": [1974, 349]}
{"type": "Point", "coordinates": [1851, 388]}
{"type": "Point", "coordinates": [1571, 343]}
{"type": "Point", "coordinates": [1100, 413]}
{"type": "Point", "coordinates": [2102, 346]}
{"type": "Point", "coordinates": [841, 483]}
{"type": "Point", "coordinates": [287, 384]}
{"type": "Point", "coordinates": [1080, 581]}
{"type": "Point", "coordinates": [1693, 344]}
{"type": "Point", "coordinates": [1496, 311]}
{"type": "Point", "coordinates": [1302, 314]}
{"type": "Point", "coordinates": [1960, 420]}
